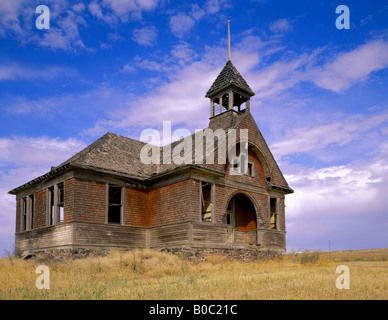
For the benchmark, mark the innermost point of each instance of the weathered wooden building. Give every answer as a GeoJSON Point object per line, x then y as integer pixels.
{"type": "Point", "coordinates": [106, 197]}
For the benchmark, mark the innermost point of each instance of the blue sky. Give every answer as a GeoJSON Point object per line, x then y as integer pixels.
{"type": "Point", "coordinates": [126, 65]}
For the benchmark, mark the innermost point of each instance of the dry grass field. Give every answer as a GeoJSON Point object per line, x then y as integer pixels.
{"type": "Point", "coordinates": [146, 274]}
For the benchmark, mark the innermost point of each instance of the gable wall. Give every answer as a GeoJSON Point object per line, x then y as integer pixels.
{"type": "Point", "coordinates": [258, 178]}
{"type": "Point", "coordinates": [255, 137]}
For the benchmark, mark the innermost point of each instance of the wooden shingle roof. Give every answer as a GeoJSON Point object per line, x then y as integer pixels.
{"type": "Point", "coordinates": [227, 77]}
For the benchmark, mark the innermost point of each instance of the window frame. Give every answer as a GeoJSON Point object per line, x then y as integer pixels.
{"type": "Point", "coordinates": [54, 214]}
{"type": "Point", "coordinates": [109, 205]}
{"type": "Point", "coordinates": [237, 169]}
{"type": "Point", "coordinates": [61, 202]}
{"type": "Point", "coordinates": [211, 202]}
{"type": "Point", "coordinates": [23, 214]}
{"type": "Point", "coordinates": [27, 213]}
{"type": "Point", "coordinates": [274, 225]}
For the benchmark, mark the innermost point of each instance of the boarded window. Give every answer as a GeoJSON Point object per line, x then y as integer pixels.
{"type": "Point", "coordinates": [273, 213]}
{"type": "Point", "coordinates": [115, 204]}
{"type": "Point", "coordinates": [206, 201]}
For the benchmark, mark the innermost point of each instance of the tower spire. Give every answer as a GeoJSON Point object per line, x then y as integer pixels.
{"type": "Point", "coordinates": [229, 58]}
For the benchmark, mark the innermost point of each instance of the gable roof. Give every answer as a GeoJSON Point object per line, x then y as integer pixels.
{"type": "Point", "coordinates": [227, 77]}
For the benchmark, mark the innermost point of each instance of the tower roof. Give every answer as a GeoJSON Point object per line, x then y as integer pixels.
{"type": "Point", "coordinates": [229, 76]}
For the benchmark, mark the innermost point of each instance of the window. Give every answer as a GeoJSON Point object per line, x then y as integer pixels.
{"type": "Point", "coordinates": [55, 204]}
{"type": "Point", "coordinates": [273, 213]}
{"type": "Point", "coordinates": [30, 212]}
{"type": "Point", "coordinates": [51, 206]}
{"type": "Point", "coordinates": [250, 169]}
{"type": "Point", "coordinates": [27, 214]}
{"type": "Point", "coordinates": [114, 204]}
{"type": "Point", "coordinates": [206, 201]}
{"type": "Point", "coordinates": [24, 214]}
{"type": "Point", "coordinates": [60, 202]}
{"type": "Point", "coordinates": [242, 166]}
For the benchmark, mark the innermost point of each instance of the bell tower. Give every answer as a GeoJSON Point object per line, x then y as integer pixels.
{"type": "Point", "coordinates": [229, 90]}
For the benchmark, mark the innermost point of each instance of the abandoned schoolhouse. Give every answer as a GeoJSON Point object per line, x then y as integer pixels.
{"type": "Point", "coordinates": [106, 197]}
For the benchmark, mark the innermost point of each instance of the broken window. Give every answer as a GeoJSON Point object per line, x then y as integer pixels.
{"type": "Point", "coordinates": [206, 201]}
{"type": "Point", "coordinates": [24, 214]}
{"type": "Point", "coordinates": [240, 165]}
{"type": "Point", "coordinates": [250, 169]}
{"type": "Point", "coordinates": [55, 210]}
{"type": "Point", "coordinates": [114, 204]}
{"type": "Point", "coordinates": [51, 206]}
{"type": "Point", "coordinates": [60, 202]}
{"type": "Point", "coordinates": [27, 215]}
{"type": "Point", "coordinates": [30, 211]}
{"type": "Point", "coordinates": [273, 213]}
{"type": "Point", "coordinates": [229, 211]}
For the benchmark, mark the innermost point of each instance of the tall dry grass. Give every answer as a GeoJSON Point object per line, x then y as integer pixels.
{"type": "Point", "coordinates": [146, 274]}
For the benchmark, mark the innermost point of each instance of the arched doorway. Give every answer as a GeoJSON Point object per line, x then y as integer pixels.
{"type": "Point", "coordinates": [241, 219]}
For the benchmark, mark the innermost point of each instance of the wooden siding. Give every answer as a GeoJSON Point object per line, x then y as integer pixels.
{"type": "Point", "coordinates": [208, 233]}
{"type": "Point", "coordinates": [272, 239]}
{"type": "Point", "coordinates": [245, 236]}
{"type": "Point", "coordinates": [173, 235]}
{"type": "Point", "coordinates": [109, 235]}
{"type": "Point", "coordinates": [50, 237]}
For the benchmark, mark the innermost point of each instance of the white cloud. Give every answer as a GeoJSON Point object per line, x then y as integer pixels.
{"type": "Point", "coordinates": [214, 6]}
{"type": "Point", "coordinates": [95, 9]}
{"type": "Point", "coordinates": [133, 9]}
{"type": "Point", "coordinates": [78, 7]}
{"type": "Point", "coordinates": [337, 190]}
{"type": "Point", "coordinates": [42, 151]}
{"type": "Point", "coordinates": [11, 13]}
{"type": "Point", "coordinates": [281, 25]}
{"type": "Point", "coordinates": [181, 24]}
{"type": "Point", "coordinates": [339, 133]}
{"type": "Point", "coordinates": [17, 71]}
{"type": "Point", "coordinates": [352, 67]}
{"type": "Point", "coordinates": [145, 36]}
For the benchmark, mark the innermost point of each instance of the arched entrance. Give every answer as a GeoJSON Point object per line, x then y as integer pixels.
{"type": "Point", "coordinates": [241, 219]}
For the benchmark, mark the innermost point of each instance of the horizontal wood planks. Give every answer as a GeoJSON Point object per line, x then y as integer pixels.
{"type": "Point", "coordinates": [54, 236]}
{"type": "Point", "coordinates": [109, 235]}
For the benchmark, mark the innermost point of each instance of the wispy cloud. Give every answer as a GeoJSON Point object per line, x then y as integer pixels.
{"type": "Point", "coordinates": [19, 71]}
{"type": "Point", "coordinates": [145, 36]}
{"type": "Point", "coordinates": [333, 133]}
{"type": "Point", "coordinates": [349, 68]}
{"type": "Point", "coordinates": [41, 151]}
{"type": "Point", "coordinates": [281, 25]}
{"type": "Point", "coordinates": [181, 24]}
{"type": "Point", "coordinates": [130, 9]}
